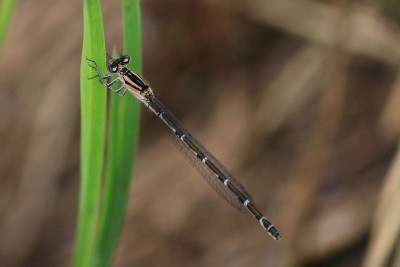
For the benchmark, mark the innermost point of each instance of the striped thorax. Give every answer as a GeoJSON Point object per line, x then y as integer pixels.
{"type": "Point", "coordinates": [132, 81]}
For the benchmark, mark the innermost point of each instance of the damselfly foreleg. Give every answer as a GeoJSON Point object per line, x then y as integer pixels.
{"type": "Point", "coordinates": [103, 79]}
{"type": "Point", "coordinates": [96, 68]}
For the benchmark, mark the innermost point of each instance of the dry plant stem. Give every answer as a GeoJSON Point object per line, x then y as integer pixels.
{"type": "Point", "coordinates": [390, 123]}
{"type": "Point", "coordinates": [391, 188]}
{"type": "Point", "coordinates": [49, 142]}
{"type": "Point", "coordinates": [390, 119]}
{"type": "Point", "coordinates": [296, 77]}
{"type": "Point", "coordinates": [396, 260]}
{"type": "Point", "coordinates": [386, 228]}
{"type": "Point", "coordinates": [305, 179]}
{"type": "Point", "coordinates": [316, 22]}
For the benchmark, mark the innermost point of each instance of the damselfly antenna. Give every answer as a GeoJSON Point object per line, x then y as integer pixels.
{"type": "Point", "coordinates": [216, 175]}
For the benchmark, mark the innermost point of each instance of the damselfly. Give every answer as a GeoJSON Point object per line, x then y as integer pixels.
{"type": "Point", "coordinates": [216, 175]}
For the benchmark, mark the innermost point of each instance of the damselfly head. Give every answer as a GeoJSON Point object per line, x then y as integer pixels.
{"type": "Point", "coordinates": [113, 66]}
{"type": "Point", "coordinates": [118, 63]}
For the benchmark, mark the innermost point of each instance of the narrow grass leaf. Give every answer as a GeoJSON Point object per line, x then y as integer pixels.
{"type": "Point", "coordinates": [93, 123]}
{"type": "Point", "coordinates": [386, 229]}
{"type": "Point", "coordinates": [122, 145]}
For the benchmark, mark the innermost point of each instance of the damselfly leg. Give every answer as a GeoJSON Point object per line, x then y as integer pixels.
{"type": "Point", "coordinates": [96, 68]}
{"type": "Point", "coordinates": [117, 91]}
{"type": "Point", "coordinates": [103, 79]}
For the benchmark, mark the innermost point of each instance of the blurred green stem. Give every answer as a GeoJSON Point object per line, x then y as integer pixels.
{"type": "Point", "coordinates": [93, 123]}
{"type": "Point", "coordinates": [6, 11]}
{"type": "Point", "coordinates": [122, 146]}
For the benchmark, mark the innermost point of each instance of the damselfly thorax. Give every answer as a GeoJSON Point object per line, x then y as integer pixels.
{"type": "Point", "coordinates": [215, 174]}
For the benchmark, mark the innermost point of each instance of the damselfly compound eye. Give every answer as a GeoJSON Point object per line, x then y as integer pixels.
{"type": "Point", "coordinates": [114, 69]}
{"type": "Point", "coordinates": [126, 59]}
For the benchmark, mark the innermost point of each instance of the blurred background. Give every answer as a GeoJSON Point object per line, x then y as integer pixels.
{"type": "Point", "coordinates": [300, 99]}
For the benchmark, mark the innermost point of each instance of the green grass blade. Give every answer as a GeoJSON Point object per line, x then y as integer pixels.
{"type": "Point", "coordinates": [122, 144]}
{"type": "Point", "coordinates": [93, 123]}
{"type": "Point", "coordinates": [133, 35]}
{"type": "Point", "coordinates": [6, 11]}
